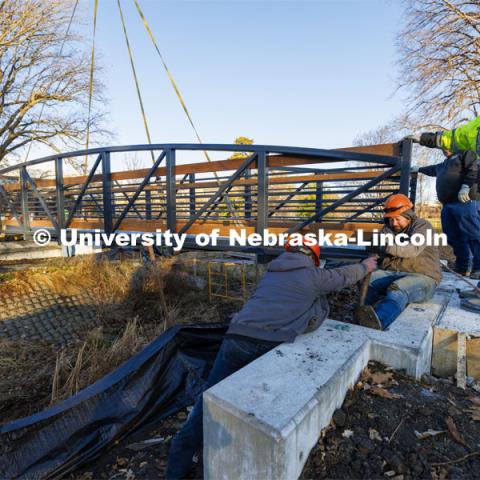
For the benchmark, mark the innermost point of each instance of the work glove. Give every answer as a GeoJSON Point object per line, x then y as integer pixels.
{"type": "Point", "coordinates": [464, 194]}
{"type": "Point", "coordinates": [413, 138]}
{"type": "Point", "coordinates": [414, 169]}
{"type": "Point", "coordinates": [431, 139]}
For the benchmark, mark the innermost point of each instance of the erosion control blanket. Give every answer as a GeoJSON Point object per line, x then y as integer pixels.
{"type": "Point", "coordinates": [158, 381]}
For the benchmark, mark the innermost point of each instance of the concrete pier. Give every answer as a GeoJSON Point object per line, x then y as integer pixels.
{"type": "Point", "coordinates": [263, 421]}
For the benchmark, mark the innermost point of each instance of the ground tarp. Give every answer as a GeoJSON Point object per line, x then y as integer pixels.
{"type": "Point", "coordinates": [158, 381]}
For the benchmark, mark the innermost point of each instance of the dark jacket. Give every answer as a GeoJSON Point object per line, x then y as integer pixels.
{"type": "Point", "coordinates": [290, 298]}
{"type": "Point", "coordinates": [410, 258]}
{"type": "Point", "coordinates": [452, 173]}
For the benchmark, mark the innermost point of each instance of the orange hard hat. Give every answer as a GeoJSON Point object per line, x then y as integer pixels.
{"type": "Point", "coordinates": [396, 204]}
{"type": "Point", "coordinates": [306, 249]}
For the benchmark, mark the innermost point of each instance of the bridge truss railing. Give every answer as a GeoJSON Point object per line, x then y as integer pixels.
{"type": "Point", "coordinates": [280, 188]}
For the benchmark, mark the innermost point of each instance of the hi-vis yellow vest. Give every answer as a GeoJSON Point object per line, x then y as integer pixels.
{"type": "Point", "coordinates": [465, 137]}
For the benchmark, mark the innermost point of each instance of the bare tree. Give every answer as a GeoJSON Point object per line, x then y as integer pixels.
{"type": "Point", "coordinates": [392, 132]}
{"type": "Point", "coordinates": [389, 133]}
{"type": "Point", "coordinates": [133, 161]}
{"type": "Point", "coordinates": [44, 79]}
{"type": "Point", "coordinates": [439, 49]}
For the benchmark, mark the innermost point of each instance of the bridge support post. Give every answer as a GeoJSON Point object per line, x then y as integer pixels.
{"type": "Point", "coordinates": [405, 164]}
{"type": "Point", "coordinates": [25, 211]}
{"type": "Point", "coordinates": [318, 196]}
{"type": "Point", "coordinates": [413, 188]}
{"type": "Point", "coordinates": [60, 194]}
{"type": "Point", "coordinates": [191, 192]}
{"type": "Point", "coordinates": [148, 204]}
{"type": "Point", "coordinates": [171, 192]}
{"type": "Point", "coordinates": [107, 193]}
{"type": "Point", "coordinates": [262, 192]}
{"type": "Point", "coordinates": [248, 196]}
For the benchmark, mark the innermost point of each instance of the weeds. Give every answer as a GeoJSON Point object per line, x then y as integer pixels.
{"type": "Point", "coordinates": [135, 303]}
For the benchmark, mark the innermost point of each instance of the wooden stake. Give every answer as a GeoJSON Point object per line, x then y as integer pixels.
{"type": "Point", "coordinates": [462, 361]}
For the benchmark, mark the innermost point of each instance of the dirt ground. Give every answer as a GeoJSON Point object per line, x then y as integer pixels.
{"type": "Point", "coordinates": [390, 426]}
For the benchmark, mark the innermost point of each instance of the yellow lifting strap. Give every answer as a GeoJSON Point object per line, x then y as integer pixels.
{"type": "Point", "coordinates": [90, 88]}
{"type": "Point", "coordinates": [172, 81]}
{"type": "Point", "coordinates": [137, 85]}
{"type": "Point", "coordinates": [230, 207]}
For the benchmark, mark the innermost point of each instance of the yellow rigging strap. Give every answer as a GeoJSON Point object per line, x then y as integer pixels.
{"type": "Point", "coordinates": [137, 85]}
{"type": "Point", "coordinates": [90, 88]}
{"type": "Point", "coordinates": [230, 207]}
{"type": "Point", "coordinates": [172, 81]}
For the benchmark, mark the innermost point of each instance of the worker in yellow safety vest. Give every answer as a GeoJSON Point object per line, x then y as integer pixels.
{"type": "Point", "coordinates": [460, 139]}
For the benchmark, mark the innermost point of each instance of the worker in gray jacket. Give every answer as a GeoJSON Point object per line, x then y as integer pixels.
{"type": "Point", "coordinates": [290, 300]}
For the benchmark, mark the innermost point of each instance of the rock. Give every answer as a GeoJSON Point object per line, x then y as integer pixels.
{"type": "Point", "coordinates": [122, 462]}
{"type": "Point", "coordinates": [456, 472]}
{"type": "Point", "coordinates": [425, 411]}
{"type": "Point", "coordinates": [357, 467]}
{"type": "Point", "coordinates": [458, 450]}
{"type": "Point", "coordinates": [339, 417]}
{"type": "Point", "coordinates": [415, 464]}
{"type": "Point", "coordinates": [366, 446]}
{"type": "Point", "coordinates": [142, 469]}
{"type": "Point", "coordinates": [417, 469]}
{"type": "Point", "coordinates": [182, 416]}
{"type": "Point", "coordinates": [130, 475]}
{"type": "Point", "coordinates": [427, 379]}
{"type": "Point", "coordinates": [396, 462]}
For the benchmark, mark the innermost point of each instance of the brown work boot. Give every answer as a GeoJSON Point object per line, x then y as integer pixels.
{"type": "Point", "coordinates": [366, 316]}
{"type": "Point", "coordinates": [463, 273]}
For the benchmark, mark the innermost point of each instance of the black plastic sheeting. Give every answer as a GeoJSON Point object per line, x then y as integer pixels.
{"type": "Point", "coordinates": [158, 381]}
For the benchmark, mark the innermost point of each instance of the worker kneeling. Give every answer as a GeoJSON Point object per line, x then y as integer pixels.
{"type": "Point", "coordinates": [289, 300]}
{"type": "Point", "coordinates": [407, 274]}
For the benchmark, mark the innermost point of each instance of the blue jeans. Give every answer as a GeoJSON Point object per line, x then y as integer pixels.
{"type": "Point", "coordinates": [391, 292]}
{"type": "Point", "coordinates": [461, 224]}
{"type": "Point", "coordinates": [233, 355]}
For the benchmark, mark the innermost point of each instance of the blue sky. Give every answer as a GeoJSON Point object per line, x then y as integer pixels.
{"type": "Point", "coordinates": [301, 73]}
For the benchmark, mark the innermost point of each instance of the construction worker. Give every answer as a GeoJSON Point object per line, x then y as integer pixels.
{"type": "Point", "coordinates": [289, 300]}
{"type": "Point", "coordinates": [460, 139]}
{"type": "Point", "coordinates": [457, 188]}
{"type": "Point", "coordinates": [407, 273]}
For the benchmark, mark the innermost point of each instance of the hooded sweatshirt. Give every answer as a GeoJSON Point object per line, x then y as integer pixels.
{"type": "Point", "coordinates": [290, 298]}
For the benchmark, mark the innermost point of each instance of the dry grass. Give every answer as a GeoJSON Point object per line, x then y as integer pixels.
{"type": "Point", "coordinates": [94, 359]}
{"type": "Point", "coordinates": [26, 370]}
{"type": "Point", "coordinates": [135, 303]}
